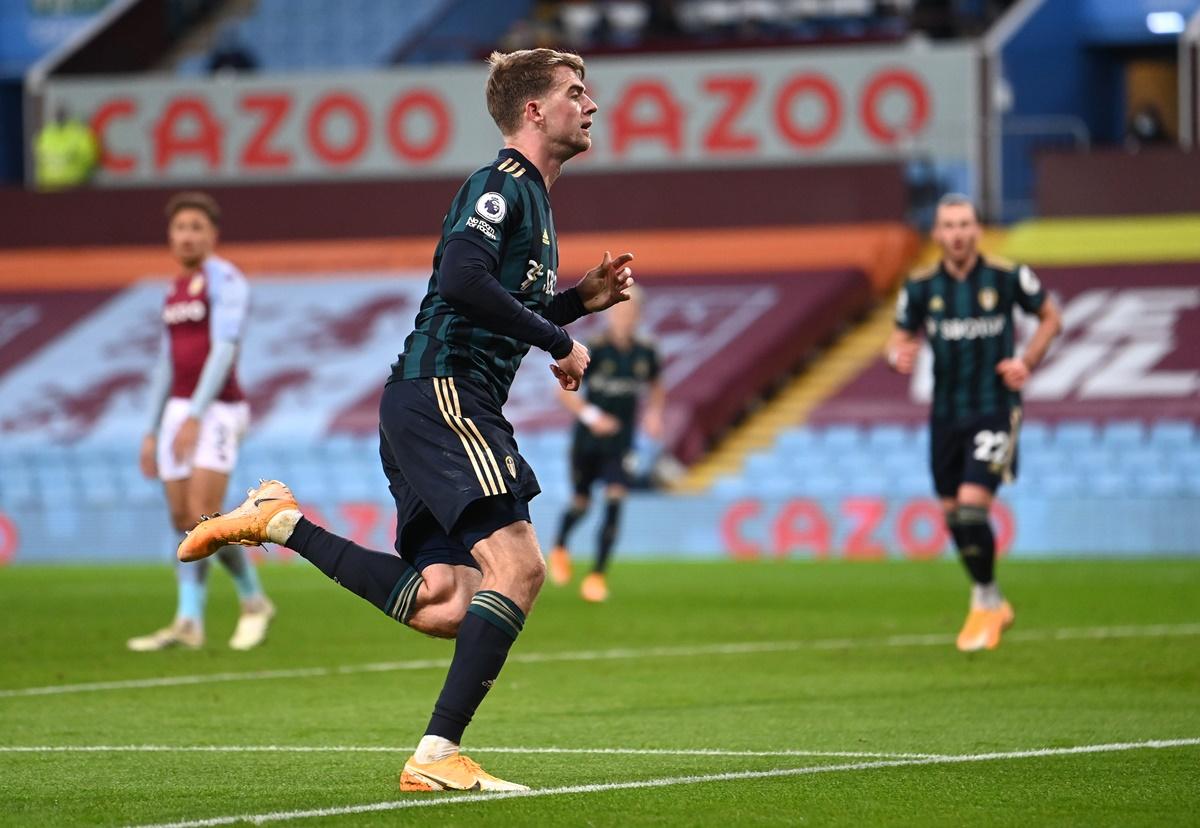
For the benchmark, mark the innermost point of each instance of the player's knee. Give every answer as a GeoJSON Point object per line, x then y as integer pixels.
{"type": "Point", "coordinates": [182, 522]}
{"type": "Point", "coordinates": [442, 603]}
{"type": "Point", "coordinates": [580, 503]}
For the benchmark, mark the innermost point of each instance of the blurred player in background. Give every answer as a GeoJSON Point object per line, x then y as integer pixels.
{"type": "Point", "coordinates": [622, 367]}
{"type": "Point", "coordinates": [199, 416]}
{"type": "Point", "coordinates": [964, 304]}
{"type": "Point", "coordinates": [469, 566]}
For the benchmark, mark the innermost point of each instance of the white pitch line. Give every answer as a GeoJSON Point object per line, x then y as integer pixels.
{"type": "Point", "coordinates": [832, 754]}
{"type": "Point", "coordinates": [734, 648]}
{"type": "Point", "coordinates": [431, 801]}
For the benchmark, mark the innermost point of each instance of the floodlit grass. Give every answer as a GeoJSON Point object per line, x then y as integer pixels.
{"type": "Point", "coordinates": [822, 657]}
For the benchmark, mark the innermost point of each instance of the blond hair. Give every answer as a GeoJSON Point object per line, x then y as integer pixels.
{"type": "Point", "coordinates": [517, 77]}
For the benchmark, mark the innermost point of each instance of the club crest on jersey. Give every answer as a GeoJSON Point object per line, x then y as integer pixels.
{"type": "Point", "coordinates": [988, 298]}
{"type": "Point", "coordinates": [545, 236]}
{"type": "Point", "coordinates": [491, 206]}
{"type": "Point", "coordinates": [936, 304]}
{"type": "Point", "coordinates": [196, 285]}
{"type": "Point", "coordinates": [511, 465]}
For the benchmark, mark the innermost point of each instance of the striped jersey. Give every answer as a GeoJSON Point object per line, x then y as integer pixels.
{"type": "Point", "coordinates": [969, 325]}
{"type": "Point", "coordinates": [504, 209]}
{"type": "Point", "coordinates": [613, 383]}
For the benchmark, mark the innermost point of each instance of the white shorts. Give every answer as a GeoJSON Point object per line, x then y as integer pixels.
{"type": "Point", "coordinates": [221, 430]}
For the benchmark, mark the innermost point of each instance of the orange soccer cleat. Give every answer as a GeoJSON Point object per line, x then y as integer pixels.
{"type": "Point", "coordinates": [454, 773]}
{"type": "Point", "coordinates": [248, 524]}
{"type": "Point", "coordinates": [559, 566]}
{"type": "Point", "coordinates": [594, 588]}
{"type": "Point", "coordinates": [984, 627]}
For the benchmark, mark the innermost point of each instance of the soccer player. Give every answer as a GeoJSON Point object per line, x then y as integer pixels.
{"type": "Point", "coordinates": [964, 305]}
{"type": "Point", "coordinates": [622, 367]}
{"type": "Point", "coordinates": [198, 416]}
{"type": "Point", "coordinates": [469, 566]}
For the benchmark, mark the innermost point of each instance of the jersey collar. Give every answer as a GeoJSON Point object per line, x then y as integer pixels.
{"type": "Point", "coordinates": [534, 173]}
{"type": "Point", "coordinates": [971, 274]}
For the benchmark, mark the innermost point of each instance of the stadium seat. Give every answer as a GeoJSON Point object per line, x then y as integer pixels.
{"type": "Point", "coordinates": [1159, 484]}
{"type": "Point", "coordinates": [1140, 460]}
{"type": "Point", "coordinates": [1034, 434]}
{"type": "Point", "coordinates": [1173, 433]}
{"type": "Point", "coordinates": [1075, 433]}
{"type": "Point", "coordinates": [1110, 483]}
{"type": "Point", "coordinates": [1062, 483]}
{"type": "Point", "coordinates": [1124, 433]}
{"type": "Point", "coordinates": [796, 439]}
{"type": "Point", "coordinates": [888, 436]}
{"type": "Point", "coordinates": [842, 437]}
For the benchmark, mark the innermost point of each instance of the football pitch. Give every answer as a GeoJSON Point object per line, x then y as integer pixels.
{"type": "Point", "coordinates": [701, 693]}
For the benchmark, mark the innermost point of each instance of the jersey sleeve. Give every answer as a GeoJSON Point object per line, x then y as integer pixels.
{"type": "Point", "coordinates": [1030, 294]}
{"type": "Point", "coordinates": [489, 215]}
{"type": "Point", "coordinates": [910, 313]}
{"type": "Point", "coordinates": [229, 299]}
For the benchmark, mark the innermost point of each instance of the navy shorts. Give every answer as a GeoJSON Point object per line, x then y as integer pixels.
{"type": "Point", "coordinates": [452, 467]}
{"type": "Point", "coordinates": [980, 450]}
{"type": "Point", "coordinates": [587, 467]}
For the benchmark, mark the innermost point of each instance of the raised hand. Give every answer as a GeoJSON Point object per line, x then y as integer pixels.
{"type": "Point", "coordinates": [607, 283]}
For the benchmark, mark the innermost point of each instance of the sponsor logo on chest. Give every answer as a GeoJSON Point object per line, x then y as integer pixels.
{"type": "Point", "coordinates": [188, 310]}
{"type": "Point", "coordinates": [952, 330]}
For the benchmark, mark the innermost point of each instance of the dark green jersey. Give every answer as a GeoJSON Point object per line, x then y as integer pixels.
{"type": "Point", "coordinates": [969, 324]}
{"type": "Point", "coordinates": [613, 383]}
{"type": "Point", "coordinates": [505, 210]}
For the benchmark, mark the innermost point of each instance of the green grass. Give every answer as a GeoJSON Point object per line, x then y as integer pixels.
{"type": "Point", "coordinates": [872, 692]}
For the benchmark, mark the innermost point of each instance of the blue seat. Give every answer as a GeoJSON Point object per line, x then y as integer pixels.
{"type": "Point", "coordinates": [1062, 483]}
{"type": "Point", "coordinates": [1110, 483]}
{"type": "Point", "coordinates": [888, 436]}
{"type": "Point", "coordinates": [1160, 483]}
{"type": "Point", "coordinates": [1139, 460]}
{"type": "Point", "coordinates": [913, 484]}
{"type": "Point", "coordinates": [842, 436]}
{"type": "Point", "coordinates": [1075, 433]}
{"type": "Point", "coordinates": [1124, 433]}
{"type": "Point", "coordinates": [1173, 433]}
{"type": "Point", "coordinates": [732, 486]}
{"type": "Point", "coordinates": [820, 485]}
{"type": "Point", "coordinates": [796, 439]}
{"type": "Point", "coordinates": [1034, 434]}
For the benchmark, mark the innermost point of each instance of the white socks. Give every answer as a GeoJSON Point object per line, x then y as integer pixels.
{"type": "Point", "coordinates": [281, 526]}
{"type": "Point", "coordinates": [986, 596]}
{"type": "Point", "coordinates": [434, 748]}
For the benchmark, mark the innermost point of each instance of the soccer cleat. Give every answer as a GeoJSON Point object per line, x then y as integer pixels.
{"type": "Point", "coordinates": [594, 588]}
{"type": "Point", "coordinates": [247, 525]}
{"type": "Point", "coordinates": [252, 626]}
{"type": "Point", "coordinates": [560, 566]}
{"type": "Point", "coordinates": [1007, 616]}
{"type": "Point", "coordinates": [983, 628]}
{"type": "Point", "coordinates": [182, 632]}
{"type": "Point", "coordinates": [454, 773]}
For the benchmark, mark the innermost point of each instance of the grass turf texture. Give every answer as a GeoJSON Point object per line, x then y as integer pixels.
{"type": "Point", "coordinates": [870, 693]}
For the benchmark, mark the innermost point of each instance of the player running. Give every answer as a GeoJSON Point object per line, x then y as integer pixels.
{"type": "Point", "coordinates": [965, 305]}
{"type": "Point", "coordinates": [469, 566]}
{"type": "Point", "coordinates": [198, 417]}
{"type": "Point", "coordinates": [622, 367]}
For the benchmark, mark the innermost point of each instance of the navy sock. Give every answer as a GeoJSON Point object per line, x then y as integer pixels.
{"type": "Point", "coordinates": [976, 543]}
{"type": "Point", "coordinates": [569, 519]}
{"type": "Point", "coordinates": [384, 579]}
{"type": "Point", "coordinates": [608, 533]}
{"type": "Point", "coordinates": [486, 634]}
